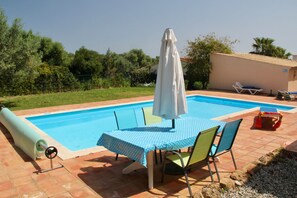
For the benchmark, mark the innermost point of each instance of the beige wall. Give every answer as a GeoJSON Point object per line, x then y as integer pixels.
{"type": "Point", "coordinates": [229, 69]}
{"type": "Point", "coordinates": [292, 80]}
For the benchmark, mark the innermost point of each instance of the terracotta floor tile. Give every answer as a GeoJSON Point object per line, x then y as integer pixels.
{"type": "Point", "coordinates": [249, 158]}
{"type": "Point", "coordinates": [18, 173]}
{"type": "Point", "coordinates": [9, 193]}
{"type": "Point", "coordinates": [6, 185]}
{"type": "Point", "coordinates": [3, 178]}
{"type": "Point", "coordinates": [73, 185]}
{"type": "Point", "coordinates": [62, 195]}
{"type": "Point", "coordinates": [240, 163]}
{"type": "Point", "coordinates": [53, 190]}
{"type": "Point", "coordinates": [27, 188]}
{"type": "Point", "coordinates": [22, 180]}
{"type": "Point", "coordinates": [267, 148]}
{"type": "Point", "coordinates": [37, 194]}
{"type": "Point", "coordinates": [40, 177]}
{"type": "Point", "coordinates": [255, 154]}
{"type": "Point", "coordinates": [239, 153]}
{"type": "Point", "coordinates": [84, 192]}
{"type": "Point", "coordinates": [65, 178]}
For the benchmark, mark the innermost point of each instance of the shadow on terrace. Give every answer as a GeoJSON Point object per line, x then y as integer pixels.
{"type": "Point", "coordinates": [104, 175]}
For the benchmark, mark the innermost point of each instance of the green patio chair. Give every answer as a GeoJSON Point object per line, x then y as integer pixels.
{"type": "Point", "coordinates": [199, 153]}
{"type": "Point", "coordinates": [148, 116]}
{"type": "Point", "coordinates": [225, 143]}
{"type": "Point", "coordinates": [125, 119]}
{"type": "Point", "coordinates": [149, 119]}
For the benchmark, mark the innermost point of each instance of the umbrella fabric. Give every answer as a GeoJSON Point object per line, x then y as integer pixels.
{"type": "Point", "coordinates": [170, 97]}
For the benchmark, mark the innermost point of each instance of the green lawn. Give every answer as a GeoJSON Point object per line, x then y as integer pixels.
{"type": "Point", "coordinates": [78, 97]}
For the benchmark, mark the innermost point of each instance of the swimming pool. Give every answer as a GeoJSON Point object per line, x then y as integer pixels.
{"type": "Point", "coordinates": [77, 130]}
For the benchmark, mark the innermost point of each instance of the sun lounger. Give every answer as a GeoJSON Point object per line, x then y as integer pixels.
{"type": "Point", "coordinates": [287, 95]}
{"type": "Point", "coordinates": [251, 89]}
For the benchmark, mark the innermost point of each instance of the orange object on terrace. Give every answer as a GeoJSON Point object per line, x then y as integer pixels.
{"type": "Point", "coordinates": [269, 113]}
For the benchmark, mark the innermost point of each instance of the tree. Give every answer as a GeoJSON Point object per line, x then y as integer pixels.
{"type": "Point", "coordinates": [53, 53]}
{"type": "Point", "coordinates": [116, 65]}
{"type": "Point", "coordinates": [57, 55]}
{"type": "Point", "coordinates": [123, 66]}
{"type": "Point", "coordinates": [4, 28]}
{"type": "Point", "coordinates": [127, 66]}
{"type": "Point", "coordinates": [138, 58]}
{"type": "Point", "coordinates": [139, 71]}
{"type": "Point", "coordinates": [44, 48]}
{"type": "Point", "coordinates": [86, 63]}
{"type": "Point", "coordinates": [18, 57]}
{"type": "Point", "coordinates": [199, 51]}
{"type": "Point", "coordinates": [265, 46]}
{"type": "Point", "coordinates": [26, 60]}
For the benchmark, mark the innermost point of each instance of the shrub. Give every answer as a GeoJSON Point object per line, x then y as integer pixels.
{"type": "Point", "coordinates": [142, 76]}
{"type": "Point", "coordinates": [197, 85]}
{"type": "Point", "coordinates": [55, 79]}
{"type": "Point", "coordinates": [186, 84]}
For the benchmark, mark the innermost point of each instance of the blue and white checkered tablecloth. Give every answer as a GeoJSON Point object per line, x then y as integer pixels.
{"type": "Point", "coordinates": [135, 143]}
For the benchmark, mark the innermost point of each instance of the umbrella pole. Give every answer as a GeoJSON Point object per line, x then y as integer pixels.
{"type": "Point", "coordinates": [173, 123]}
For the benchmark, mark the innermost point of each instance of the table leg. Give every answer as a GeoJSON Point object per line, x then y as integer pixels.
{"type": "Point", "coordinates": [150, 169]}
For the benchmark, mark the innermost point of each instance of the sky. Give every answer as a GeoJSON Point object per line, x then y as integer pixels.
{"type": "Point", "coordinates": [134, 24]}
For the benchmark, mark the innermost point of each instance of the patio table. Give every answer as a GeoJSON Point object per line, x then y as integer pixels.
{"type": "Point", "coordinates": [139, 143]}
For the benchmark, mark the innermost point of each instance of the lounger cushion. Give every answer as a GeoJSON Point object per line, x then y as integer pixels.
{"type": "Point", "coordinates": [250, 87]}
{"type": "Point", "coordinates": [292, 92]}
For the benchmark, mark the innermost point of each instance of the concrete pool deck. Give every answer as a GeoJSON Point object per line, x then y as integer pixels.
{"type": "Point", "coordinates": [99, 175]}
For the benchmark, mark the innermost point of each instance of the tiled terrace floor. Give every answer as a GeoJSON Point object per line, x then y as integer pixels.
{"type": "Point", "coordinates": [99, 175]}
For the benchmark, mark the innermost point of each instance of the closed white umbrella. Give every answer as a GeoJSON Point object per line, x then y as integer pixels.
{"type": "Point", "coordinates": [170, 97]}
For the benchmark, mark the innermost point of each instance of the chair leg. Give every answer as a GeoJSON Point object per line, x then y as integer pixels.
{"type": "Point", "coordinates": [160, 153]}
{"type": "Point", "coordinates": [233, 159]}
{"type": "Point", "coordinates": [187, 180]}
{"type": "Point", "coordinates": [163, 170]}
{"type": "Point", "coordinates": [210, 171]}
{"type": "Point", "coordinates": [215, 165]}
{"type": "Point", "coordinates": [189, 149]}
{"type": "Point", "coordinates": [156, 157]}
{"type": "Point", "coordinates": [117, 156]}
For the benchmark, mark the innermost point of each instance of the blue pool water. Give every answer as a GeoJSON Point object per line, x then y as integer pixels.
{"type": "Point", "coordinates": [79, 130]}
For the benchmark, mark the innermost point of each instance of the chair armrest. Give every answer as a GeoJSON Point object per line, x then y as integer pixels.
{"type": "Point", "coordinates": [179, 156]}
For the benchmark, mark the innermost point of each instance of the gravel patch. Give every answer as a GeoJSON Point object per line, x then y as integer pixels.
{"type": "Point", "coordinates": [277, 180]}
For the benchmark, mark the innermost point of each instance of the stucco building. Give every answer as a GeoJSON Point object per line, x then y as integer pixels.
{"type": "Point", "coordinates": [269, 73]}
